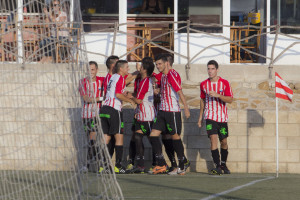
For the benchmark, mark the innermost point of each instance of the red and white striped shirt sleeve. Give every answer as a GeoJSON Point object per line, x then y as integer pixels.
{"type": "Point", "coordinates": [82, 87]}
{"type": "Point", "coordinates": [227, 89]}
{"type": "Point", "coordinates": [202, 93]}
{"type": "Point", "coordinates": [120, 86]}
{"type": "Point", "coordinates": [158, 78]}
{"type": "Point", "coordinates": [106, 81]}
{"type": "Point", "coordinates": [174, 80]}
{"type": "Point", "coordinates": [136, 85]}
{"type": "Point", "coordinates": [143, 89]}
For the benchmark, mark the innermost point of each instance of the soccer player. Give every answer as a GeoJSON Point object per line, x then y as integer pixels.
{"type": "Point", "coordinates": [166, 137]}
{"type": "Point", "coordinates": [111, 112]}
{"type": "Point", "coordinates": [145, 111]}
{"type": "Point", "coordinates": [110, 64]}
{"type": "Point", "coordinates": [215, 92]}
{"type": "Point", "coordinates": [169, 116]}
{"type": "Point", "coordinates": [90, 89]}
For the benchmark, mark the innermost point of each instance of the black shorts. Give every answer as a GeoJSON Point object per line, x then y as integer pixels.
{"type": "Point", "coordinates": [145, 127]}
{"type": "Point", "coordinates": [111, 120]}
{"type": "Point", "coordinates": [220, 128]}
{"type": "Point", "coordinates": [168, 122]}
{"type": "Point", "coordinates": [90, 124]}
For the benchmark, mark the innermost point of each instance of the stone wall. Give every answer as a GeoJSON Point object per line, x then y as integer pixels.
{"type": "Point", "coordinates": [40, 124]}
{"type": "Point", "coordinates": [252, 128]}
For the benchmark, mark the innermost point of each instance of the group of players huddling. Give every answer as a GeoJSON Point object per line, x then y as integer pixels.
{"type": "Point", "coordinates": [157, 112]}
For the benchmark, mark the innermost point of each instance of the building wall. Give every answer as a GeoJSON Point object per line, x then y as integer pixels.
{"type": "Point", "coordinates": [198, 42]}
{"type": "Point", "coordinates": [291, 56]}
{"type": "Point", "coordinates": [41, 127]}
{"type": "Point", "coordinates": [102, 43]}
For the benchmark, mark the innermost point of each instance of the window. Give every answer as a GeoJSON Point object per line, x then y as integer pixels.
{"type": "Point", "coordinates": [99, 11]}
{"type": "Point", "coordinates": [91, 7]}
{"type": "Point", "coordinates": [34, 6]}
{"type": "Point", "coordinates": [150, 6]}
{"type": "Point", "coordinates": [289, 12]}
{"type": "Point", "coordinates": [7, 5]}
{"type": "Point", "coordinates": [203, 12]}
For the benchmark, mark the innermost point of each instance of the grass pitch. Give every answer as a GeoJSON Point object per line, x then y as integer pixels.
{"type": "Point", "coordinates": [203, 186]}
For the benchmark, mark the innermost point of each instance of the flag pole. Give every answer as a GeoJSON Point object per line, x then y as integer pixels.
{"type": "Point", "coordinates": [277, 161]}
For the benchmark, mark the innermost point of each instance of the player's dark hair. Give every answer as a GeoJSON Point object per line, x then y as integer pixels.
{"type": "Point", "coordinates": [148, 65]}
{"type": "Point", "coordinates": [93, 63]}
{"type": "Point", "coordinates": [213, 62]}
{"type": "Point", "coordinates": [111, 60]}
{"type": "Point", "coordinates": [162, 57]}
{"type": "Point", "coordinates": [170, 59]}
{"type": "Point", "coordinates": [119, 64]}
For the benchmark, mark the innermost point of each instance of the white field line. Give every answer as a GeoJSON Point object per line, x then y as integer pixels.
{"type": "Point", "coordinates": [236, 188]}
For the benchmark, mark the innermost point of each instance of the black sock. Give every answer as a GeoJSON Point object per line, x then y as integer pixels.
{"type": "Point", "coordinates": [93, 144]}
{"type": "Point", "coordinates": [103, 154]}
{"type": "Point", "coordinates": [216, 157]}
{"type": "Point", "coordinates": [139, 149]}
{"type": "Point", "coordinates": [185, 159]}
{"type": "Point", "coordinates": [140, 161]}
{"type": "Point", "coordinates": [156, 146]}
{"type": "Point", "coordinates": [168, 143]}
{"type": "Point", "coordinates": [111, 146]}
{"type": "Point", "coordinates": [90, 153]}
{"type": "Point", "coordinates": [119, 155]}
{"type": "Point", "coordinates": [132, 151]}
{"type": "Point", "coordinates": [154, 162]}
{"type": "Point", "coordinates": [90, 149]}
{"type": "Point", "coordinates": [178, 147]}
{"type": "Point", "coordinates": [224, 155]}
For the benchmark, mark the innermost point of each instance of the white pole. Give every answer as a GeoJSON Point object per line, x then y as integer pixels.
{"type": "Point", "coordinates": [277, 161]}
{"type": "Point", "coordinates": [72, 10]}
{"type": "Point", "coordinates": [19, 32]}
{"type": "Point", "coordinates": [121, 39]}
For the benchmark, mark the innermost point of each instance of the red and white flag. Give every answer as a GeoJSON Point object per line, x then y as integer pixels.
{"type": "Point", "coordinates": [282, 90]}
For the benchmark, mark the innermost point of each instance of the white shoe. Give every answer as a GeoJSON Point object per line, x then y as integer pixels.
{"type": "Point", "coordinates": [174, 172]}
{"type": "Point", "coordinates": [180, 171]}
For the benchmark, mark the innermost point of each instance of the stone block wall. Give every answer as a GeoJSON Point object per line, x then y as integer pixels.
{"type": "Point", "coordinates": [40, 122]}
{"type": "Point", "coordinates": [41, 128]}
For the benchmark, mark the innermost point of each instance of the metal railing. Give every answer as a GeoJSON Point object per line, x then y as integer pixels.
{"type": "Point", "coordinates": [10, 48]}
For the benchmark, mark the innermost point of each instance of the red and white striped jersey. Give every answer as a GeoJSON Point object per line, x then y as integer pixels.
{"type": "Point", "coordinates": [144, 91]}
{"type": "Point", "coordinates": [157, 85]}
{"type": "Point", "coordinates": [94, 90]}
{"type": "Point", "coordinates": [170, 85]}
{"type": "Point", "coordinates": [215, 108]}
{"type": "Point", "coordinates": [116, 85]}
{"type": "Point", "coordinates": [105, 84]}
{"type": "Point", "coordinates": [106, 81]}
{"type": "Point", "coordinates": [157, 77]}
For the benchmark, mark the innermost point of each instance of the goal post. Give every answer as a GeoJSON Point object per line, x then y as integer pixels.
{"type": "Point", "coordinates": [43, 144]}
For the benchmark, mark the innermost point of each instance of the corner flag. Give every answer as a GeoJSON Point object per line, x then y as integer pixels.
{"type": "Point", "coordinates": [282, 90]}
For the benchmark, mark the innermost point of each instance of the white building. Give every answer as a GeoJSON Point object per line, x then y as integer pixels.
{"type": "Point", "coordinates": [99, 15]}
{"type": "Point", "coordinates": [272, 12]}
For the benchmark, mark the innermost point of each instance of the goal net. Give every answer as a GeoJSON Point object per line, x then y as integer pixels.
{"type": "Point", "coordinates": [43, 144]}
